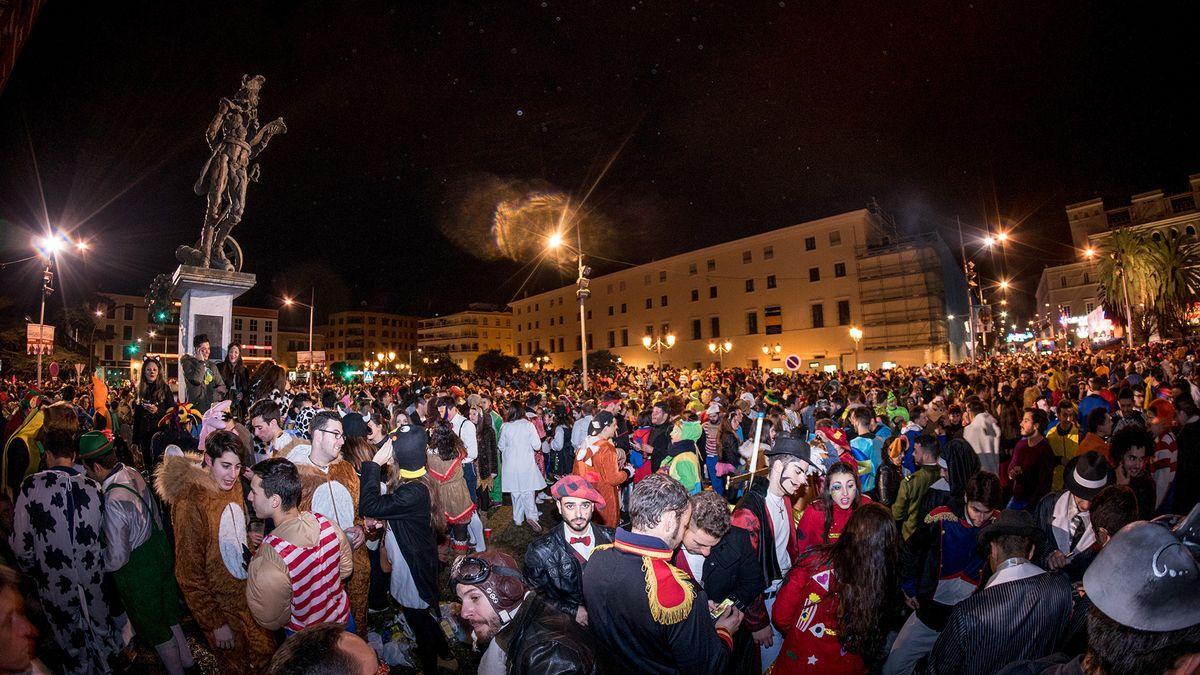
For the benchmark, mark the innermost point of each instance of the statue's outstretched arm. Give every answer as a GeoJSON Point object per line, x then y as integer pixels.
{"type": "Point", "coordinates": [263, 137]}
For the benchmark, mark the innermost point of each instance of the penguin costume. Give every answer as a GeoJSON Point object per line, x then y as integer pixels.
{"type": "Point", "coordinates": [406, 507]}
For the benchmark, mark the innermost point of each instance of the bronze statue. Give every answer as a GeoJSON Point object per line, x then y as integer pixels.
{"type": "Point", "coordinates": [226, 174]}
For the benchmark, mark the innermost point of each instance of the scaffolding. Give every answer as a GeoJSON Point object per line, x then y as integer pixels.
{"type": "Point", "coordinates": [902, 294]}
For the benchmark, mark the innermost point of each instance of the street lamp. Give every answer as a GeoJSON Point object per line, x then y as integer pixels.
{"type": "Point", "coordinates": [555, 241]}
{"type": "Point", "coordinates": [48, 247]}
{"type": "Point", "coordinates": [658, 345]}
{"type": "Point", "coordinates": [767, 350]}
{"type": "Point", "coordinates": [720, 349]}
{"type": "Point", "coordinates": [856, 334]}
{"type": "Point", "coordinates": [311, 310]}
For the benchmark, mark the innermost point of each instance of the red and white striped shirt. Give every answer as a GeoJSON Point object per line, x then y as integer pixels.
{"type": "Point", "coordinates": [315, 573]}
{"type": "Point", "coordinates": [1166, 454]}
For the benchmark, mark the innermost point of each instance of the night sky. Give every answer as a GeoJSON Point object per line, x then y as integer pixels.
{"type": "Point", "coordinates": [409, 122]}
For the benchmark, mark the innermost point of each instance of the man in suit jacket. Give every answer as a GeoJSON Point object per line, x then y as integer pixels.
{"type": "Point", "coordinates": [554, 562]}
{"type": "Point", "coordinates": [1020, 614]}
{"type": "Point", "coordinates": [722, 561]}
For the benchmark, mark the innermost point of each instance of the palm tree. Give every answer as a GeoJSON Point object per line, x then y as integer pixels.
{"type": "Point", "coordinates": [1174, 277]}
{"type": "Point", "coordinates": [1125, 275]}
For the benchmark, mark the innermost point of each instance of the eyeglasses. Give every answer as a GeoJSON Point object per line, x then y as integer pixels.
{"type": "Point", "coordinates": [335, 434]}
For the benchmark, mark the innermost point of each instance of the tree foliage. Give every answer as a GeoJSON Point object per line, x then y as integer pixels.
{"type": "Point", "coordinates": [494, 362]}
{"type": "Point", "coordinates": [600, 361]}
{"type": "Point", "coordinates": [1155, 276]}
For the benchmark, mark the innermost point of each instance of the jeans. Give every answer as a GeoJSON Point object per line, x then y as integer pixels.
{"type": "Point", "coordinates": [718, 482]}
{"type": "Point", "coordinates": [470, 477]}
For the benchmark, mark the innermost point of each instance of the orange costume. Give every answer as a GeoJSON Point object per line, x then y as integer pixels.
{"type": "Point", "coordinates": [599, 456]}
{"type": "Point", "coordinates": [210, 560]}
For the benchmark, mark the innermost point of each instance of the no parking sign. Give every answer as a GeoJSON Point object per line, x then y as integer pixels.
{"type": "Point", "coordinates": [792, 362]}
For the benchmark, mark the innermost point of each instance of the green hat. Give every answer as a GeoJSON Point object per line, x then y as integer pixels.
{"type": "Point", "coordinates": [95, 444]}
{"type": "Point", "coordinates": [690, 431]}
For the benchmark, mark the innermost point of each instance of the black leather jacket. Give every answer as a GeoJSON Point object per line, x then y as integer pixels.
{"type": "Point", "coordinates": [554, 572]}
{"type": "Point", "coordinates": [540, 639]}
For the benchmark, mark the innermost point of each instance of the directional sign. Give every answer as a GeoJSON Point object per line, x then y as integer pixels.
{"type": "Point", "coordinates": [792, 362]}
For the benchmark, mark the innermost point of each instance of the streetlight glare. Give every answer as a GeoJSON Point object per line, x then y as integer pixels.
{"type": "Point", "coordinates": [989, 241]}
{"type": "Point", "coordinates": [646, 341]}
{"type": "Point", "coordinates": [1089, 252]}
{"type": "Point", "coordinates": [1004, 284]}
{"type": "Point", "coordinates": [554, 241]}
{"type": "Point", "coordinates": [287, 300]}
{"type": "Point", "coordinates": [671, 340]}
{"type": "Point", "coordinates": [1002, 237]}
{"type": "Point", "coordinates": [728, 345]}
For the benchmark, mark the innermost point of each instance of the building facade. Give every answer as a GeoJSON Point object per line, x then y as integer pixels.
{"type": "Point", "coordinates": [792, 291]}
{"type": "Point", "coordinates": [463, 336]}
{"type": "Point", "coordinates": [292, 341]}
{"type": "Point", "coordinates": [1067, 294]}
{"type": "Point", "coordinates": [124, 332]}
{"type": "Point", "coordinates": [356, 335]}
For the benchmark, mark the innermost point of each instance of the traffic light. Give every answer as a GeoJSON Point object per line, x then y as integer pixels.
{"type": "Point", "coordinates": [132, 349]}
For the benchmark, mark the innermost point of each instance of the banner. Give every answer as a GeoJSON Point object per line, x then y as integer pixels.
{"type": "Point", "coordinates": [314, 359]}
{"type": "Point", "coordinates": [39, 339]}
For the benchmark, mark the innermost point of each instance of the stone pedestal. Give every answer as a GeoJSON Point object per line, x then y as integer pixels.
{"type": "Point", "coordinates": [206, 297]}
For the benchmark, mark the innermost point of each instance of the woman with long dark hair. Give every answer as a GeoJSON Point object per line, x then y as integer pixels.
{"type": "Point", "coordinates": [833, 607]}
{"type": "Point", "coordinates": [236, 375]}
{"type": "Point", "coordinates": [824, 519]}
{"type": "Point", "coordinates": [154, 399]}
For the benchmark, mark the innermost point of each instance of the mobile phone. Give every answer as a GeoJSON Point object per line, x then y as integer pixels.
{"type": "Point", "coordinates": [720, 609]}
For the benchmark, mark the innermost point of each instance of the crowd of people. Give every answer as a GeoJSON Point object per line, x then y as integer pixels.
{"type": "Point", "coordinates": [1031, 513]}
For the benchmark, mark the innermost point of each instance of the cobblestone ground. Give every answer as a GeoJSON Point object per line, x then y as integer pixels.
{"type": "Point", "coordinates": [505, 535]}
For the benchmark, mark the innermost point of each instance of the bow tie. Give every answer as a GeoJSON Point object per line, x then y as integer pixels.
{"type": "Point", "coordinates": [586, 541]}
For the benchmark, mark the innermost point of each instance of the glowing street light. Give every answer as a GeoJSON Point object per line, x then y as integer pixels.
{"type": "Point", "coordinates": [658, 345]}
{"type": "Point", "coordinates": [989, 241]}
{"type": "Point", "coordinates": [554, 242]}
{"type": "Point", "coordinates": [1002, 237]}
{"type": "Point", "coordinates": [856, 334]}
{"type": "Point", "coordinates": [720, 349]}
{"type": "Point", "coordinates": [949, 317]}
{"type": "Point", "coordinates": [1089, 252]}
{"type": "Point", "coordinates": [1004, 284]}
{"type": "Point", "coordinates": [312, 300]}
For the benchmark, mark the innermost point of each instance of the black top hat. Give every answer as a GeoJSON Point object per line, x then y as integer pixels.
{"type": "Point", "coordinates": [1012, 522]}
{"type": "Point", "coordinates": [1148, 576]}
{"type": "Point", "coordinates": [1086, 475]}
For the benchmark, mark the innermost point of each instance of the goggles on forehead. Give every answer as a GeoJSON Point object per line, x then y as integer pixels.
{"type": "Point", "coordinates": [472, 571]}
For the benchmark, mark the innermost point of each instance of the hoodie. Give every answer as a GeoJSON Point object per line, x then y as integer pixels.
{"type": "Point", "coordinates": [983, 433]}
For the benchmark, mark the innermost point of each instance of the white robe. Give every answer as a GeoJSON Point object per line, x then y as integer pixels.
{"type": "Point", "coordinates": [518, 469]}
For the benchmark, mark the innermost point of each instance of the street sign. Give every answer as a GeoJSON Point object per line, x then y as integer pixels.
{"type": "Point", "coordinates": [792, 362]}
{"type": "Point", "coordinates": [314, 359]}
{"type": "Point", "coordinates": [39, 339]}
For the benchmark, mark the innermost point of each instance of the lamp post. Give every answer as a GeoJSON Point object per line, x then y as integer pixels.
{"type": "Point", "coordinates": [311, 310]}
{"type": "Point", "coordinates": [48, 247]}
{"type": "Point", "coordinates": [772, 351]}
{"type": "Point", "coordinates": [720, 349]}
{"type": "Point", "coordinates": [555, 241]}
{"type": "Point", "coordinates": [856, 335]}
{"type": "Point", "coordinates": [658, 345]}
